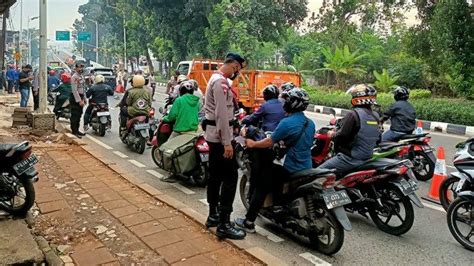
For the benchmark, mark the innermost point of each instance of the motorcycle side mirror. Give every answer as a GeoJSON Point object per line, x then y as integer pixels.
{"type": "Point", "coordinates": [161, 110]}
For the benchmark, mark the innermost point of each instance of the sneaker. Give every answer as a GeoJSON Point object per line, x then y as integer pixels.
{"type": "Point", "coordinates": [212, 221]}
{"type": "Point", "coordinates": [227, 230]}
{"type": "Point", "coordinates": [249, 227]}
{"type": "Point", "coordinates": [80, 133]}
{"type": "Point", "coordinates": [77, 135]}
{"type": "Point", "coordinates": [86, 127]}
{"type": "Point", "coordinates": [170, 179]}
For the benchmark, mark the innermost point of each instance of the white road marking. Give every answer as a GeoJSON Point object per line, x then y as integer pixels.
{"type": "Point", "coordinates": [314, 259]}
{"type": "Point", "coordinates": [183, 189]}
{"type": "Point", "coordinates": [121, 155]}
{"type": "Point", "coordinates": [155, 173]}
{"type": "Point", "coordinates": [434, 207]}
{"type": "Point", "coordinates": [204, 201]}
{"type": "Point", "coordinates": [268, 234]}
{"type": "Point", "coordinates": [137, 163]}
{"type": "Point", "coordinates": [99, 142]}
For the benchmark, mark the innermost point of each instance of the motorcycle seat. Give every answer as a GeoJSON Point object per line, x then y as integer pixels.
{"type": "Point", "coordinates": [413, 136]}
{"type": "Point", "coordinates": [311, 172]}
{"type": "Point", "coordinates": [386, 146]}
{"type": "Point", "coordinates": [376, 164]}
{"type": "Point", "coordinates": [5, 148]}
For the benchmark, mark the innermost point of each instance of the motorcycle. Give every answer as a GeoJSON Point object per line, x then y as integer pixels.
{"type": "Point", "coordinates": [137, 133]}
{"type": "Point", "coordinates": [463, 180]}
{"type": "Point", "coordinates": [52, 95]}
{"type": "Point", "coordinates": [460, 218]}
{"type": "Point", "coordinates": [311, 207]}
{"type": "Point", "coordinates": [64, 111]}
{"type": "Point", "coordinates": [17, 175]}
{"type": "Point", "coordinates": [100, 118]}
{"type": "Point", "coordinates": [200, 174]}
{"type": "Point", "coordinates": [380, 187]}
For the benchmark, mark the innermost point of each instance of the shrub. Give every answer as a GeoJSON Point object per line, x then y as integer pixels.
{"type": "Point", "coordinates": [420, 94]}
{"type": "Point", "coordinates": [457, 111]}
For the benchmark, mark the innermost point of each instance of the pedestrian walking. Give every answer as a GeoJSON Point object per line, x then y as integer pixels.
{"type": "Point", "coordinates": [219, 113]}
{"type": "Point", "coordinates": [25, 79]}
{"type": "Point", "coordinates": [11, 78]}
{"type": "Point", "coordinates": [77, 100]}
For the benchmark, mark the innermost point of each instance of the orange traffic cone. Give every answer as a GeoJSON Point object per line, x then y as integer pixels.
{"type": "Point", "coordinates": [419, 127]}
{"type": "Point", "coordinates": [439, 175]}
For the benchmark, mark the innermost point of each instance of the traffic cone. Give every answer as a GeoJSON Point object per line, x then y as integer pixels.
{"type": "Point", "coordinates": [419, 127]}
{"type": "Point", "coordinates": [439, 175]}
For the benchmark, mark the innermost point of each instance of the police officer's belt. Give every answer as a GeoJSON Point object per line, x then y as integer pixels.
{"type": "Point", "coordinates": [213, 122]}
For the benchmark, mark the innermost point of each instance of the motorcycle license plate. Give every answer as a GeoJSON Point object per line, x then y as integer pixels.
{"type": "Point", "coordinates": [141, 126]}
{"type": "Point", "coordinates": [204, 157]}
{"type": "Point", "coordinates": [407, 187]}
{"type": "Point", "coordinates": [24, 165]}
{"type": "Point", "coordinates": [336, 199]}
{"type": "Point", "coordinates": [103, 113]}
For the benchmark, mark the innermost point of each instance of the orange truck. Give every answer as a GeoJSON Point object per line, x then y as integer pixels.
{"type": "Point", "coordinates": [248, 85]}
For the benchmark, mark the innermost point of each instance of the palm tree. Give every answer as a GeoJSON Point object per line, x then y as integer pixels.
{"type": "Point", "coordinates": [342, 63]}
{"type": "Point", "coordinates": [384, 81]}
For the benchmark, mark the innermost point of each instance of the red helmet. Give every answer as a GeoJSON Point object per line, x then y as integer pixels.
{"type": "Point", "coordinates": [52, 72]}
{"type": "Point", "coordinates": [66, 77]}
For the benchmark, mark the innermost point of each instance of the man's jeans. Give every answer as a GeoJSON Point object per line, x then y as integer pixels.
{"type": "Point", "coordinates": [25, 96]}
{"type": "Point", "coordinates": [342, 163]}
{"type": "Point", "coordinates": [391, 135]}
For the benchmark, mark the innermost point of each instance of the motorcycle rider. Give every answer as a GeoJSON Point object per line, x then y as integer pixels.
{"type": "Point", "coordinates": [175, 90]}
{"type": "Point", "coordinates": [184, 113]}
{"type": "Point", "coordinates": [53, 81]}
{"type": "Point", "coordinates": [77, 100]}
{"type": "Point", "coordinates": [64, 91]}
{"type": "Point", "coordinates": [136, 102]}
{"type": "Point", "coordinates": [219, 113]}
{"type": "Point", "coordinates": [359, 134]}
{"type": "Point", "coordinates": [287, 86]}
{"type": "Point", "coordinates": [402, 116]}
{"type": "Point", "coordinates": [297, 132]}
{"type": "Point", "coordinates": [270, 113]}
{"type": "Point", "coordinates": [96, 94]}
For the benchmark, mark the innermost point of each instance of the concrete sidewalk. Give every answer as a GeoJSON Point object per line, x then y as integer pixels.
{"type": "Point", "coordinates": [91, 215]}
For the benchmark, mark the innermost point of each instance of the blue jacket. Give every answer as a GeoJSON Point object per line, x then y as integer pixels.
{"type": "Point", "coordinates": [270, 113]}
{"type": "Point", "coordinates": [53, 80]}
{"type": "Point", "coordinates": [12, 74]}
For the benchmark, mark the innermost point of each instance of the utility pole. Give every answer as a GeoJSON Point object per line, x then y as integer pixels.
{"type": "Point", "coordinates": [29, 38]}
{"type": "Point", "coordinates": [3, 39]}
{"type": "Point", "coordinates": [43, 81]}
{"type": "Point", "coordinates": [125, 64]}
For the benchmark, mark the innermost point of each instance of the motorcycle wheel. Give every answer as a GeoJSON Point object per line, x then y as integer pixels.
{"type": "Point", "coordinates": [156, 156]}
{"type": "Point", "coordinates": [141, 145]}
{"type": "Point", "coordinates": [202, 176]}
{"type": "Point", "coordinates": [27, 189]}
{"type": "Point", "coordinates": [244, 191]}
{"type": "Point", "coordinates": [392, 200]}
{"type": "Point", "coordinates": [446, 191]}
{"type": "Point", "coordinates": [323, 240]}
{"type": "Point", "coordinates": [466, 218]}
{"type": "Point", "coordinates": [102, 129]}
{"type": "Point", "coordinates": [423, 166]}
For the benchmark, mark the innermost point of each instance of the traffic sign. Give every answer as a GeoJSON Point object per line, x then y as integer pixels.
{"type": "Point", "coordinates": [63, 35]}
{"type": "Point", "coordinates": [84, 36]}
{"type": "Point", "coordinates": [17, 56]}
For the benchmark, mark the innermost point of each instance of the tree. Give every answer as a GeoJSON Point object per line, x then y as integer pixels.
{"type": "Point", "coordinates": [384, 81]}
{"type": "Point", "coordinates": [343, 63]}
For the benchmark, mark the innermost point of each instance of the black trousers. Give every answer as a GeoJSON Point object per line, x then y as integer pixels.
{"type": "Point", "coordinates": [123, 116]}
{"type": "Point", "coordinates": [35, 99]}
{"type": "Point", "coordinates": [76, 113]}
{"type": "Point", "coordinates": [87, 114]}
{"type": "Point", "coordinates": [262, 180]}
{"type": "Point", "coordinates": [222, 182]}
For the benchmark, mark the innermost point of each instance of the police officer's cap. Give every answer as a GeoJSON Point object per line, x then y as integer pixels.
{"type": "Point", "coordinates": [236, 57]}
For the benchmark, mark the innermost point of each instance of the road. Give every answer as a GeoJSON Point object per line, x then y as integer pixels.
{"type": "Point", "coordinates": [428, 242]}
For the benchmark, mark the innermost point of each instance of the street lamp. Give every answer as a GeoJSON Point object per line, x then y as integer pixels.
{"type": "Point", "coordinates": [96, 39]}
{"type": "Point", "coordinates": [29, 38]}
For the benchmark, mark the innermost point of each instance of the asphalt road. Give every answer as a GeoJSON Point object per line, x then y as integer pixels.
{"type": "Point", "coordinates": [429, 242]}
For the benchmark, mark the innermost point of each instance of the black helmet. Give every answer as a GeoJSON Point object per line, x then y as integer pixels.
{"type": "Point", "coordinates": [363, 94]}
{"type": "Point", "coordinates": [270, 92]}
{"type": "Point", "coordinates": [287, 86]}
{"type": "Point", "coordinates": [295, 100]}
{"type": "Point", "coordinates": [187, 87]}
{"type": "Point", "coordinates": [401, 93]}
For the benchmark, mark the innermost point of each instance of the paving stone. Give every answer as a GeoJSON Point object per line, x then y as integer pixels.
{"type": "Point", "coordinates": [147, 228]}
{"type": "Point", "coordinates": [200, 260]}
{"type": "Point", "coordinates": [124, 211]}
{"type": "Point", "coordinates": [107, 197]}
{"type": "Point", "coordinates": [53, 206]}
{"type": "Point", "coordinates": [48, 197]}
{"type": "Point", "coordinates": [224, 257]}
{"type": "Point", "coordinates": [88, 246]}
{"type": "Point", "coordinates": [177, 251]}
{"type": "Point", "coordinates": [110, 205]}
{"type": "Point", "coordinates": [99, 190]}
{"type": "Point", "coordinates": [189, 232]}
{"type": "Point", "coordinates": [65, 215]}
{"type": "Point", "coordinates": [135, 219]}
{"type": "Point", "coordinates": [160, 213]}
{"type": "Point", "coordinates": [150, 190]}
{"type": "Point", "coordinates": [205, 244]}
{"type": "Point", "coordinates": [161, 239]}
{"type": "Point", "coordinates": [92, 185]}
{"type": "Point", "coordinates": [93, 257]}
{"type": "Point", "coordinates": [174, 222]}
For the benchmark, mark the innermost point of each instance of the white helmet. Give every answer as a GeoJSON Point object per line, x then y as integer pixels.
{"type": "Point", "coordinates": [99, 79]}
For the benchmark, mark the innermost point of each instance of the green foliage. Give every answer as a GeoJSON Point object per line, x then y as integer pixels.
{"type": "Point", "coordinates": [384, 81]}
{"type": "Point", "coordinates": [438, 109]}
{"type": "Point", "coordinates": [420, 94]}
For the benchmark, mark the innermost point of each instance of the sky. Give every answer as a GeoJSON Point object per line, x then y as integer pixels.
{"type": "Point", "coordinates": [62, 13]}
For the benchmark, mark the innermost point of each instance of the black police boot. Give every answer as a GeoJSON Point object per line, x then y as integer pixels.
{"type": "Point", "coordinates": [213, 218]}
{"type": "Point", "coordinates": [226, 229]}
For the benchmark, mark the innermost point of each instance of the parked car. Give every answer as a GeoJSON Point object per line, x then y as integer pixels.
{"type": "Point", "coordinates": [108, 73]}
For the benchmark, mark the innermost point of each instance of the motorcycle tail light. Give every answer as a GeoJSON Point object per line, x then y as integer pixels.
{"type": "Point", "coordinates": [398, 171]}
{"type": "Point", "coordinates": [330, 181]}
{"type": "Point", "coordinates": [202, 145]}
{"type": "Point", "coordinates": [152, 112]}
{"type": "Point", "coordinates": [26, 154]}
{"type": "Point", "coordinates": [403, 151]}
{"type": "Point", "coordinates": [426, 140]}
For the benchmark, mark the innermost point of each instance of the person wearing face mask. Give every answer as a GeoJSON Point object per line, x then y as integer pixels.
{"type": "Point", "coordinates": [219, 113]}
{"type": "Point", "coordinates": [77, 100]}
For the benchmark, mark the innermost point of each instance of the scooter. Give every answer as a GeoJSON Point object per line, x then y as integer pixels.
{"type": "Point", "coordinates": [136, 133]}
{"type": "Point", "coordinates": [17, 175]}
{"type": "Point", "coordinates": [64, 111]}
{"type": "Point", "coordinates": [100, 118]}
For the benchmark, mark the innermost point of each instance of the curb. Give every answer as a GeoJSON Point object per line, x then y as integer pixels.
{"type": "Point", "coordinates": [455, 129]}
{"type": "Point", "coordinates": [252, 251]}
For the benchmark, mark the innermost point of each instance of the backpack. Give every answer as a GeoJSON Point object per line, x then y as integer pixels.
{"type": "Point", "coordinates": [178, 155]}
